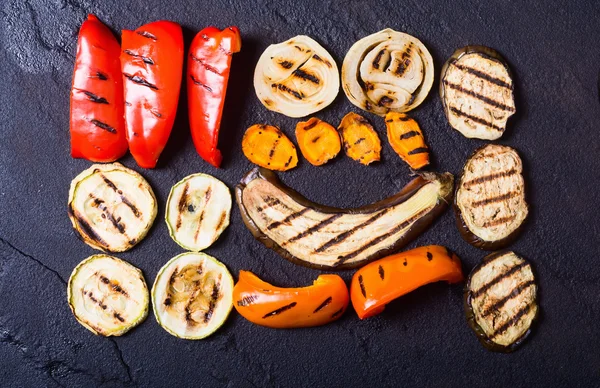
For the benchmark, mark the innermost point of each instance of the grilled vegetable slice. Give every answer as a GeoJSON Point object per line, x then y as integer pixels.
{"type": "Point", "coordinates": [477, 92]}
{"type": "Point", "coordinates": [192, 295]}
{"type": "Point", "coordinates": [407, 140]}
{"type": "Point", "coordinates": [268, 147]}
{"type": "Point", "coordinates": [387, 71]}
{"type": "Point", "coordinates": [328, 238]}
{"type": "Point", "coordinates": [107, 295]}
{"type": "Point", "coordinates": [296, 78]}
{"type": "Point", "coordinates": [198, 211]}
{"type": "Point", "coordinates": [111, 207]}
{"type": "Point", "coordinates": [360, 140]}
{"type": "Point", "coordinates": [285, 308]}
{"type": "Point", "coordinates": [490, 202]}
{"type": "Point", "coordinates": [378, 283]}
{"type": "Point", "coordinates": [501, 301]}
{"type": "Point", "coordinates": [318, 141]}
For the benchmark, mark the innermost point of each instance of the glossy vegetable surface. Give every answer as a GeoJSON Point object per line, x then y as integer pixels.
{"type": "Point", "coordinates": [152, 63]}
{"type": "Point", "coordinates": [268, 147]}
{"type": "Point", "coordinates": [318, 141]}
{"type": "Point", "coordinates": [407, 140]}
{"type": "Point", "coordinates": [360, 140]}
{"type": "Point", "coordinates": [380, 282]}
{"type": "Point", "coordinates": [283, 308]}
{"type": "Point", "coordinates": [97, 125]}
{"type": "Point", "coordinates": [208, 67]}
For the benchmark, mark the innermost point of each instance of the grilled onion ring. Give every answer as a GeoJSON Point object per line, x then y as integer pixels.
{"type": "Point", "coordinates": [296, 78]}
{"type": "Point", "coordinates": [387, 71]}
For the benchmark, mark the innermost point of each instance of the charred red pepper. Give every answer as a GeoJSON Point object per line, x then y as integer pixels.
{"type": "Point", "coordinates": [96, 124]}
{"type": "Point", "coordinates": [152, 65]}
{"type": "Point", "coordinates": [208, 67]}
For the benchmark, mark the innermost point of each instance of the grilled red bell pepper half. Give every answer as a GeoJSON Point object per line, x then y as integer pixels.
{"type": "Point", "coordinates": [208, 68]}
{"type": "Point", "coordinates": [152, 66]}
{"type": "Point", "coordinates": [96, 124]}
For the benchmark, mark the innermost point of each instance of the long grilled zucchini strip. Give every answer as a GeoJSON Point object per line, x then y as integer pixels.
{"type": "Point", "coordinates": [329, 238]}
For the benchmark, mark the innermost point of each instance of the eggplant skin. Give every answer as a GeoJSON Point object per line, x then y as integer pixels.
{"type": "Point", "coordinates": [418, 227]}
{"type": "Point", "coordinates": [466, 233]}
{"type": "Point", "coordinates": [472, 322]}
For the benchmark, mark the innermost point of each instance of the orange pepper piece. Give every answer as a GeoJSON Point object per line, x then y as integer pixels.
{"type": "Point", "coordinates": [360, 140]}
{"type": "Point", "coordinates": [268, 147]}
{"type": "Point", "coordinates": [407, 140]}
{"type": "Point", "coordinates": [318, 141]}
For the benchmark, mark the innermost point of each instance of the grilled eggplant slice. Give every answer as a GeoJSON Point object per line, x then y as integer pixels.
{"type": "Point", "coordinates": [328, 238]}
{"type": "Point", "coordinates": [107, 295]}
{"type": "Point", "coordinates": [501, 301]}
{"type": "Point", "coordinates": [490, 205]}
{"type": "Point", "coordinates": [296, 78]}
{"type": "Point", "coordinates": [477, 92]}
{"type": "Point", "coordinates": [198, 211]}
{"type": "Point", "coordinates": [192, 295]}
{"type": "Point", "coordinates": [111, 207]}
{"type": "Point", "coordinates": [388, 71]}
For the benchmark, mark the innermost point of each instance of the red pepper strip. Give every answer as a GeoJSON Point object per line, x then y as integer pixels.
{"type": "Point", "coordinates": [208, 67]}
{"type": "Point", "coordinates": [97, 126]}
{"type": "Point", "coordinates": [378, 283]}
{"type": "Point", "coordinates": [152, 65]}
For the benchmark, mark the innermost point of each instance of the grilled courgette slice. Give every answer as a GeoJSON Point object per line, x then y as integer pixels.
{"type": "Point", "coordinates": [111, 207]}
{"type": "Point", "coordinates": [501, 301]}
{"type": "Point", "coordinates": [198, 211]}
{"type": "Point", "coordinates": [192, 295]}
{"type": "Point", "coordinates": [107, 295]}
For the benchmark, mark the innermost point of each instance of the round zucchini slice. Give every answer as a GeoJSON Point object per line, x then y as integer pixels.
{"type": "Point", "coordinates": [192, 295]}
{"type": "Point", "coordinates": [107, 295]}
{"type": "Point", "coordinates": [501, 301]}
{"type": "Point", "coordinates": [198, 211]}
{"type": "Point", "coordinates": [111, 207]}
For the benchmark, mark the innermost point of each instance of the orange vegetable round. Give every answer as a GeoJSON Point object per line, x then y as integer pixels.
{"type": "Point", "coordinates": [378, 283]}
{"type": "Point", "coordinates": [407, 140]}
{"type": "Point", "coordinates": [318, 141]}
{"type": "Point", "coordinates": [284, 308]}
{"type": "Point", "coordinates": [360, 140]}
{"type": "Point", "coordinates": [268, 147]}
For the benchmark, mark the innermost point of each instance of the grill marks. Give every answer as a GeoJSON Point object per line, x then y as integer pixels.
{"type": "Point", "coordinates": [103, 125]}
{"type": "Point", "coordinates": [140, 81]}
{"type": "Point", "coordinates": [483, 75]}
{"type": "Point", "coordinates": [214, 297]}
{"type": "Point", "coordinates": [420, 150]}
{"type": "Point", "coordinates": [95, 98]}
{"type": "Point", "coordinates": [409, 134]}
{"type": "Point", "coordinates": [116, 222]}
{"type": "Point", "coordinates": [288, 90]}
{"type": "Point", "coordinates": [363, 291]}
{"type": "Point", "coordinates": [197, 82]}
{"type": "Point", "coordinates": [87, 229]}
{"type": "Point", "coordinates": [318, 58]}
{"type": "Point", "coordinates": [306, 76]}
{"type": "Point", "coordinates": [206, 65]}
{"type": "Point", "coordinates": [498, 278]}
{"type": "Point", "coordinates": [313, 229]}
{"type": "Point", "coordinates": [124, 199]}
{"type": "Point", "coordinates": [147, 34]}
{"type": "Point", "coordinates": [496, 199]}
{"type": "Point", "coordinates": [511, 322]}
{"type": "Point", "coordinates": [381, 272]}
{"type": "Point", "coordinates": [325, 303]}
{"type": "Point", "coordinates": [100, 302]}
{"type": "Point", "coordinates": [288, 219]}
{"type": "Point", "coordinates": [146, 60]}
{"type": "Point", "coordinates": [490, 177]}
{"type": "Point", "coordinates": [478, 96]}
{"type": "Point", "coordinates": [182, 205]}
{"type": "Point", "coordinates": [513, 294]}
{"type": "Point", "coordinates": [475, 119]}
{"type": "Point", "coordinates": [280, 310]}
{"type": "Point", "coordinates": [207, 196]}
{"type": "Point", "coordinates": [404, 62]}
{"type": "Point", "coordinates": [498, 221]}
{"type": "Point", "coordinates": [114, 286]}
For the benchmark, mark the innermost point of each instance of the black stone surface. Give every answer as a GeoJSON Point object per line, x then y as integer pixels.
{"type": "Point", "coordinates": [420, 340]}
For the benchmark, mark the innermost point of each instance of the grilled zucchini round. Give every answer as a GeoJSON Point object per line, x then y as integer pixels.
{"type": "Point", "coordinates": [107, 295]}
{"type": "Point", "coordinates": [111, 207]}
{"type": "Point", "coordinates": [501, 301]}
{"type": "Point", "coordinates": [192, 295]}
{"type": "Point", "coordinates": [198, 210]}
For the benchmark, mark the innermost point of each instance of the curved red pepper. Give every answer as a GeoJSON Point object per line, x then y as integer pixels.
{"type": "Point", "coordinates": [96, 125]}
{"type": "Point", "coordinates": [208, 67]}
{"type": "Point", "coordinates": [152, 64]}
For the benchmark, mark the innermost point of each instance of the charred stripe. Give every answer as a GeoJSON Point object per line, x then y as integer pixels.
{"type": "Point", "coordinates": [95, 98]}
{"type": "Point", "coordinates": [206, 66]}
{"type": "Point", "coordinates": [306, 76]}
{"type": "Point", "coordinates": [313, 229]}
{"type": "Point", "coordinates": [196, 82]}
{"type": "Point", "coordinates": [341, 310]}
{"type": "Point", "coordinates": [100, 75]}
{"type": "Point", "coordinates": [360, 140]}
{"type": "Point", "coordinates": [513, 294]}
{"type": "Point", "coordinates": [498, 198]}
{"type": "Point", "coordinates": [325, 303]}
{"type": "Point", "coordinates": [279, 310]}
{"type": "Point", "coordinates": [182, 205]}
{"type": "Point", "coordinates": [87, 229]}
{"type": "Point", "coordinates": [247, 300]}
{"type": "Point", "coordinates": [112, 285]}
{"type": "Point", "coordinates": [430, 256]}
{"type": "Point", "coordinates": [118, 316]}
{"type": "Point", "coordinates": [498, 221]}
{"type": "Point", "coordinates": [288, 161]}
{"type": "Point", "coordinates": [144, 59]}
{"type": "Point", "coordinates": [212, 304]}
{"type": "Point", "coordinates": [384, 101]}
{"type": "Point", "coordinates": [363, 291]}
{"type": "Point", "coordinates": [318, 58]}
{"type": "Point", "coordinates": [482, 75]}
{"type": "Point", "coordinates": [272, 151]}
{"type": "Point", "coordinates": [316, 139]}
{"type": "Point", "coordinates": [147, 34]}
{"type": "Point", "coordinates": [420, 150]}
{"type": "Point", "coordinates": [381, 272]}
{"type": "Point", "coordinates": [102, 125]}
{"type": "Point", "coordinates": [378, 59]}
{"type": "Point", "coordinates": [124, 199]}
{"type": "Point", "coordinates": [475, 119]}
{"type": "Point", "coordinates": [409, 134]}
{"type": "Point", "coordinates": [140, 81]}
{"type": "Point", "coordinates": [498, 278]}
{"type": "Point", "coordinates": [491, 177]}
{"type": "Point", "coordinates": [478, 96]}
{"type": "Point", "coordinates": [100, 204]}
{"type": "Point", "coordinates": [311, 125]}
{"type": "Point", "coordinates": [286, 89]}
{"type": "Point", "coordinates": [511, 322]}
{"type": "Point", "coordinates": [286, 64]}
{"type": "Point", "coordinates": [287, 219]}
{"type": "Point", "coordinates": [221, 220]}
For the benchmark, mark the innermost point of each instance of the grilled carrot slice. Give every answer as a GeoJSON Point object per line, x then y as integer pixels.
{"type": "Point", "coordinates": [268, 147]}
{"type": "Point", "coordinates": [360, 140]}
{"type": "Point", "coordinates": [407, 140]}
{"type": "Point", "coordinates": [319, 142]}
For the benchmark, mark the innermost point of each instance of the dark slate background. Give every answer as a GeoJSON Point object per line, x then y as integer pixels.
{"type": "Point", "coordinates": [420, 340]}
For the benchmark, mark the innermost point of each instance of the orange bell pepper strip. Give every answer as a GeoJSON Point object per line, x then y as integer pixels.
{"type": "Point", "coordinates": [97, 126]}
{"type": "Point", "coordinates": [378, 283]}
{"type": "Point", "coordinates": [152, 66]}
{"type": "Point", "coordinates": [284, 308]}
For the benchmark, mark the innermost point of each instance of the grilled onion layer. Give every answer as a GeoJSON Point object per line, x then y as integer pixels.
{"type": "Point", "coordinates": [198, 211]}
{"type": "Point", "coordinates": [296, 77]}
{"type": "Point", "coordinates": [111, 207]}
{"type": "Point", "coordinates": [387, 71]}
{"type": "Point", "coordinates": [192, 295]}
{"type": "Point", "coordinates": [107, 295]}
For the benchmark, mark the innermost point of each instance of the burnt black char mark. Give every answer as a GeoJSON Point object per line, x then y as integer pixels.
{"type": "Point", "coordinates": [280, 310]}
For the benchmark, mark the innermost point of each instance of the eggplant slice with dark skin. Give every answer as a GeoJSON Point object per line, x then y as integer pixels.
{"type": "Point", "coordinates": [501, 301]}
{"type": "Point", "coordinates": [477, 92]}
{"type": "Point", "coordinates": [490, 204]}
{"type": "Point", "coordinates": [323, 237]}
